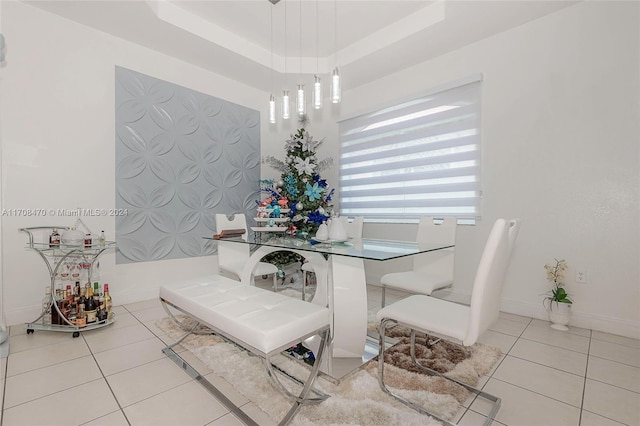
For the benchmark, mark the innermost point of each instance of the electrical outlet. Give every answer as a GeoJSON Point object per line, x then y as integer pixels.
{"type": "Point", "coordinates": [581, 276]}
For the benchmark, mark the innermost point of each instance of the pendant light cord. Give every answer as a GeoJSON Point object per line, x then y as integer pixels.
{"type": "Point", "coordinates": [300, 23]}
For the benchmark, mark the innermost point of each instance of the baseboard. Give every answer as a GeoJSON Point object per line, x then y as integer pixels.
{"type": "Point", "coordinates": [596, 322]}
{"type": "Point", "coordinates": [589, 321]}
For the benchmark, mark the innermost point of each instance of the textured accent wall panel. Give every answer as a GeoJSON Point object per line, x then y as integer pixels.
{"type": "Point", "coordinates": [181, 157]}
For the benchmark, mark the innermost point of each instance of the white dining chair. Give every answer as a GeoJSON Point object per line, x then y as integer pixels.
{"type": "Point", "coordinates": [232, 257]}
{"type": "Point", "coordinates": [431, 271]}
{"type": "Point", "coordinates": [453, 321]}
{"type": "Point", "coordinates": [353, 226]}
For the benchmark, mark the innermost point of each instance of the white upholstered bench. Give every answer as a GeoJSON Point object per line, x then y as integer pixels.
{"type": "Point", "coordinates": [258, 320]}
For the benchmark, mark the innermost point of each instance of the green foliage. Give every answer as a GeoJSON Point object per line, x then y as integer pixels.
{"type": "Point", "coordinates": [282, 258]}
{"type": "Point", "coordinates": [555, 275]}
{"type": "Point", "coordinates": [308, 196]}
{"type": "Point", "coordinates": [300, 182]}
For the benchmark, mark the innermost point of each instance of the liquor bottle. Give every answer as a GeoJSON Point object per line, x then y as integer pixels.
{"type": "Point", "coordinates": [96, 301]}
{"type": "Point", "coordinates": [96, 289]}
{"type": "Point", "coordinates": [65, 308]}
{"type": "Point", "coordinates": [81, 318]}
{"type": "Point", "coordinates": [90, 310]}
{"type": "Point", "coordinates": [46, 306]}
{"type": "Point", "coordinates": [88, 290]}
{"type": "Point", "coordinates": [107, 301]}
{"type": "Point", "coordinates": [76, 289]}
{"type": "Point", "coordinates": [101, 314]}
{"type": "Point", "coordinates": [87, 241]}
{"type": "Point", "coordinates": [103, 240]}
{"type": "Point", "coordinates": [54, 238]}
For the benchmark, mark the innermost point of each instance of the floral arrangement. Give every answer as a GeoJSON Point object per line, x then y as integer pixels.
{"type": "Point", "coordinates": [555, 275]}
{"type": "Point", "coordinates": [300, 183]}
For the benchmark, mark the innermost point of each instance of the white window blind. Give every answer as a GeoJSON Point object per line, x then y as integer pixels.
{"type": "Point", "coordinates": [416, 158]}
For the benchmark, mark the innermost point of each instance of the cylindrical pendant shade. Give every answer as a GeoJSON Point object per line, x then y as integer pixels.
{"type": "Point", "coordinates": [301, 104]}
{"type": "Point", "coordinates": [285, 104]}
{"type": "Point", "coordinates": [317, 93]}
{"type": "Point", "coordinates": [272, 110]}
{"type": "Point", "coordinates": [335, 86]}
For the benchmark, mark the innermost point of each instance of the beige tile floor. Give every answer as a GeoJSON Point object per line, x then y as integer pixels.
{"type": "Point", "coordinates": [118, 375]}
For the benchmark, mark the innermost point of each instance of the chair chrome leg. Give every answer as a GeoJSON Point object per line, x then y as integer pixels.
{"type": "Point", "coordinates": [383, 326]}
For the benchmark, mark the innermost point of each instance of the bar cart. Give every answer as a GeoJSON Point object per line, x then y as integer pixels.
{"type": "Point", "coordinates": [54, 256]}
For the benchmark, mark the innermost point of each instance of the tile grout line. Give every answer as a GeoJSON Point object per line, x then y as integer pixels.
{"type": "Point", "coordinates": [499, 362]}
{"type": "Point", "coordinates": [584, 383]}
{"type": "Point", "coordinates": [4, 384]}
{"type": "Point", "coordinates": [106, 382]}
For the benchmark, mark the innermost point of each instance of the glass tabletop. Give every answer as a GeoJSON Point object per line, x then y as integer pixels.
{"type": "Point", "coordinates": [363, 248]}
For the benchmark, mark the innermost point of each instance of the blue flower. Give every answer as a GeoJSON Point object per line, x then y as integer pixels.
{"type": "Point", "coordinates": [316, 217]}
{"type": "Point", "coordinates": [313, 192]}
{"type": "Point", "coordinates": [291, 186]}
{"type": "Point", "coordinates": [321, 182]}
{"type": "Point", "coordinates": [329, 196]}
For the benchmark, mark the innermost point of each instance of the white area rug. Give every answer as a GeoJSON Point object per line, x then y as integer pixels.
{"type": "Point", "coordinates": [357, 400]}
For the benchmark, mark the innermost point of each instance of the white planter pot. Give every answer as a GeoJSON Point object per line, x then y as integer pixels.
{"type": "Point", "coordinates": [559, 315]}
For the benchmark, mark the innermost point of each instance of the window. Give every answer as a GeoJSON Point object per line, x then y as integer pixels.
{"type": "Point", "coordinates": [416, 158]}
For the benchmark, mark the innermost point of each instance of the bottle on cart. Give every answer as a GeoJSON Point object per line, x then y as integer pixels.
{"type": "Point", "coordinates": [76, 289]}
{"type": "Point", "coordinates": [87, 241]}
{"type": "Point", "coordinates": [101, 314]}
{"type": "Point", "coordinates": [81, 318]}
{"type": "Point", "coordinates": [90, 310]}
{"type": "Point", "coordinates": [103, 240]}
{"type": "Point", "coordinates": [65, 310]}
{"type": "Point", "coordinates": [54, 238]}
{"type": "Point", "coordinates": [107, 301]}
{"type": "Point", "coordinates": [46, 306]}
{"type": "Point", "coordinates": [96, 289]}
{"type": "Point", "coordinates": [55, 306]}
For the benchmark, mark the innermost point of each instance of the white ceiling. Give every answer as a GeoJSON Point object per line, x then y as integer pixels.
{"type": "Point", "coordinates": [367, 39]}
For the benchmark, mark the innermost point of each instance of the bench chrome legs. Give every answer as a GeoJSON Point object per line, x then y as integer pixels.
{"type": "Point", "coordinates": [383, 327]}
{"type": "Point", "coordinates": [192, 325]}
{"type": "Point", "coordinates": [308, 384]}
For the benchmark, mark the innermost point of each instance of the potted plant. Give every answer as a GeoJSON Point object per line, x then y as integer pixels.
{"type": "Point", "coordinates": [557, 301]}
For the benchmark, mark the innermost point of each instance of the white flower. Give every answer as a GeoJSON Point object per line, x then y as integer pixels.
{"type": "Point", "coordinates": [308, 143]}
{"type": "Point", "coordinates": [304, 166]}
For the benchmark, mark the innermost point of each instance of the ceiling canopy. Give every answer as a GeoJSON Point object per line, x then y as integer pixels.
{"type": "Point", "coordinates": [366, 39]}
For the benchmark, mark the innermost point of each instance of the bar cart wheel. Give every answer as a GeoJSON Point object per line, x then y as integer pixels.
{"type": "Point", "coordinates": [76, 334]}
{"type": "Point", "coordinates": [30, 330]}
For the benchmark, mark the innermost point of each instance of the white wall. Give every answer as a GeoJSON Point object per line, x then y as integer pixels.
{"type": "Point", "coordinates": [58, 144]}
{"type": "Point", "coordinates": [560, 150]}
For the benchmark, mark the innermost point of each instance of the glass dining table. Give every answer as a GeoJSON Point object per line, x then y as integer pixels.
{"type": "Point", "coordinates": [341, 284]}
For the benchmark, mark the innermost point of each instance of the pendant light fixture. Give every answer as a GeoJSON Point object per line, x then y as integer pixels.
{"type": "Point", "coordinates": [272, 99]}
{"type": "Point", "coordinates": [285, 93]}
{"type": "Point", "coordinates": [317, 85]}
{"type": "Point", "coordinates": [336, 91]}
{"type": "Point", "coordinates": [301, 104]}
